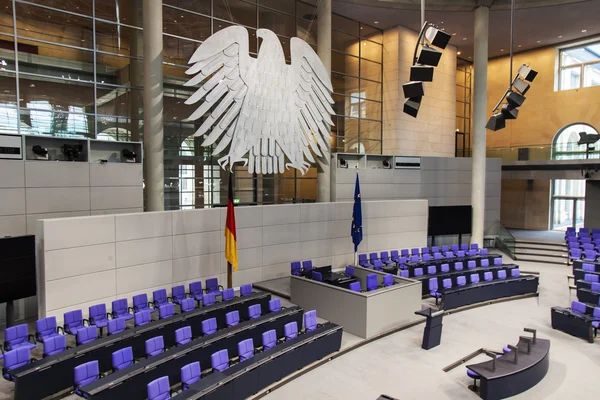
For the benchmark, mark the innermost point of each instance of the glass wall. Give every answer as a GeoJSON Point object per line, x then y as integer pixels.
{"type": "Point", "coordinates": [75, 68]}
{"type": "Point", "coordinates": [579, 67]}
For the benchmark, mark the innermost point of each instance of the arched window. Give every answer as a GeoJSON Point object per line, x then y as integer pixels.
{"type": "Point", "coordinates": [568, 195]}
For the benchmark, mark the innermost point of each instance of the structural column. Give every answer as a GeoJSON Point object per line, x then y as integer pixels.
{"type": "Point", "coordinates": [480, 58]}
{"type": "Point", "coordinates": [324, 52]}
{"type": "Point", "coordinates": [154, 170]}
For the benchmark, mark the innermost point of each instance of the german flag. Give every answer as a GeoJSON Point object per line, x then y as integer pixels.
{"type": "Point", "coordinates": [230, 237]}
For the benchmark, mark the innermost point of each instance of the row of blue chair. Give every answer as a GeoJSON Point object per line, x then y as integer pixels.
{"type": "Point", "coordinates": [379, 261]}
{"type": "Point", "coordinates": [445, 268]}
{"type": "Point", "coordinates": [462, 281]}
{"type": "Point", "coordinates": [297, 267]}
{"type": "Point", "coordinates": [585, 255]}
{"type": "Point", "coordinates": [583, 232]}
{"type": "Point", "coordinates": [580, 308]}
{"type": "Point", "coordinates": [160, 389]}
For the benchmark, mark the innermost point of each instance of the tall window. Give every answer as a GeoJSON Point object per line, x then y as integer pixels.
{"type": "Point", "coordinates": [579, 67]}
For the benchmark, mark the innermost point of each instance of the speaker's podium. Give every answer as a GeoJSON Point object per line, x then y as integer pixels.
{"type": "Point", "coordinates": [433, 327]}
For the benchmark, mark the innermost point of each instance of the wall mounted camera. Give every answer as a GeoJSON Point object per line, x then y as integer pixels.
{"type": "Point", "coordinates": [71, 152]}
{"type": "Point", "coordinates": [128, 155]}
{"type": "Point", "coordinates": [343, 163]}
{"type": "Point", "coordinates": [39, 152]}
{"type": "Point", "coordinates": [386, 164]}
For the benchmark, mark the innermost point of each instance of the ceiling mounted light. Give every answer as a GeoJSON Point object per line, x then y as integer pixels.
{"type": "Point", "coordinates": [421, 73]}
{"type": "Point", "coordinates": [496, 122]}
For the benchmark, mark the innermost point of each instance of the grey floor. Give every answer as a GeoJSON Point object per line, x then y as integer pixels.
{"type": "Point", "coordinates": [397, 366]}
{"type": "Point", "coordinates": [538, 236]}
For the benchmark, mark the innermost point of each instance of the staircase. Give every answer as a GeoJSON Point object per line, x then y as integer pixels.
{"type": "Point", "coordinates": [541, 251]}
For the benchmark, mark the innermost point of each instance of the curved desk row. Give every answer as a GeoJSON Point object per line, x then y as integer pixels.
{"type": "Point", "coordinates": [131, 382]}
{"type": "Point", "coordinates": [246, 378]}
{"type": "Point", "coordinates": [586, 295]}
{"type": "Point", "coordinates": [485, 291]}
{"type": "Point", "coordinates": [510, 378]}
{"type": "Point", "coordinates": [424, 264]}
{"type": "Point", "coordinates": [54, 374]}
{"type": "Point", "coordinates": [573, 323]}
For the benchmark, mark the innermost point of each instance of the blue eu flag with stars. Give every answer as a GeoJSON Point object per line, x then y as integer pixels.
{"type": "Point", "coordinates": [357, 231]}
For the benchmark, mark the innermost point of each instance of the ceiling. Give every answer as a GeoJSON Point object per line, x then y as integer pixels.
{"type": "Point", "coordinates": [538, 23]}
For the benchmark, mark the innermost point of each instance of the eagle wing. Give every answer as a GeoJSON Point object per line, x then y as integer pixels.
{"type": "Point", "coordinates": [220, 66]}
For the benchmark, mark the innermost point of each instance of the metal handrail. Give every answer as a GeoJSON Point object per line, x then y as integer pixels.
{"type": "Point", "coordinates": [505, 241]}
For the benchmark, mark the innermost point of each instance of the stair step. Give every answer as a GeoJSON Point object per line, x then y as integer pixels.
{"type": "Point", "coordinates": [542, 258]}
{"type": "Point", "coordinates": [543, 252]}
{"type": "Point", "coordinates": [540, 243]}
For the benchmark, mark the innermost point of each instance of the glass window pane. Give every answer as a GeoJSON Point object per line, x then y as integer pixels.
{"type": "Point", "coordinates": [238, 11]}
{"type": "Point", "coordinates": [122, 101]}
{"type": "Point", "coordinates": [591, 75]}
{"type": "Point", "coordinates": [344, 84]}
{"type": "Point", "coordinates": [185, 24]}
{"type": "Point", "coordinates": [8, 89]}
{"type": "Point", "coordinates": [370, 130]}
{"type": "Point", "coordinates": [371, 146]}
{"type": "Point", "coordinates": [281, 24]}
{"type": "Point", "coordinates": [370, 90]}
{"type": "Point", "coordinates": [345, 24]}
{"type": "Point", "coordinates": [305, 11]}
{"type": "Point", "coordinates": [371, 51]}
{"type": "Point", "coordinates": [570, 78]}
{"type": "Point", "coordinates": [345, 127]}
{"type": "Point", "coordinates": [344, 64]}
{"type": "Point", "coordinates": [6, 19]}
{"type": "Point", "coordinates": [345, 43]}
{"type": "Point", "coordinates": [370, 70]}
{"type": "Point", "coordinates": [178, 51]}
{"type": "Point", "coordinates": [127, 12]}
{"type": "Point", "coordinates": [199, 6]}
{"type": "Point", "coordinates": [119, 39]}
{"type": "Point", "coordinates": [57, 94]}
{"type": "Point", "coordinates": [53, 26]}
{"type": "Point", "coordinates": [80, 6]}
{"type": "Point", "coordinates": [307, 31]}
{"type": "Point", "coordinates": [119, 70]}
{"type": "Point", "coordinates": [39, 119]}
{"type": "Point", "coordinates": [368, 32]}
{"type": "Point", "coordinates": [74, 63]}
{"type": "Point", "coordinates": [372, 110]}
{"type": "Point", "coordinates": [121, 129]}
{"type": "Point", "coordinates": [287, 6]}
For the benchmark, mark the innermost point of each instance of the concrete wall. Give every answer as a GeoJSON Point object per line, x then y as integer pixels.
{"type": "Point", "coordinates": [592, 204]}
{"type": "Point", "coordinates": [87, 260]}
{"type": "Point", "coordinates": [442, 181]}
{"type": "Point", "coordinates": [525, 204]}
{"type": "Point", "coordinates": [433, 132]}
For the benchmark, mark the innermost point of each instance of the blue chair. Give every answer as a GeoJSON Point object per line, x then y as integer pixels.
{"type": "Point", "coordinates": [445, 249]}
{"type": "Point", "coordinates": [142, 318]}
{"type": "Point", "coordinates": [190, 374]}
{"type": "Point", "coordinates": [596, 323]}
{"type": "Point", "coordinates": [588, 267]}
{"type": "Point", "coordinates": [454, 248]}
{"type": "Point", "coordinates": [296, 268]}
{"type": "Point", "coordinates": [371, 282]}
{"type": "Point", "coordinates": [373, 257]}
{"type": "Point", "coordinates": [363, 262]}
{"type": "Point", "coordinates": [575, 254]}
{"type": "Point", "coordinates": [228, 294]}
{"type": "Point", "coordinates": [18, 336]}
{"type": "Point", "coordinates": [404, 253]}
{"type": "Point", "coordinates": [183, 336]}
{"type": "Point", "coordinates": [208, 299]}
{"type": "Point", "coordinates": [498, 261]}
{"type": "Point", "coordinates": [502, 274]}
{"type": "Point", "coordinates": [458, 266]}
{"type": "Point", "coordinates": [209, 326]}
{"type": "Point", "coordinates": [433, 289]}
{"type": "Point", "coordinates": [116, 326]}
{"type": "Point", "coordinates": [290, 330]}
{"type": "Point", "coordinates": [350, 271]}
{"type": "Point", "coordinates": [578, 307]}
{"type": "Point", "coordinates": [159, 297]}
{"type": "Point", "coordinates": [307, 265]}
{"type": "Point", "coordinates": [73, 321]}
{"type": "Point", "coordinates": [474, 246]}
{"type": "Point", "coordinates": [178, 294]}
{"type": "Point", "coordinates": [445, 268]}
{"type": "Point", "coordinates": [87, 335]}
{"type": "Point", "coordinates": [246, 290]}
{"type": "Point", "coordinates": [483, 252]}
{"type": "Point", "coordinates": [485, 263]}
{"type": "Point", "coordinates": [46, 328]}
{"type": "Point", "coordinates": [437, 256]}
{"type": "Point", "coordinates": [449, 254]}
{"type": "Point", "coordinates": [122, 358]}
{"type": "Point", "coordinates": [232, 318]}
{"type": "Point", "coordinates": [274, 305]}
{"type": "Point", "coordinates": [426, 257]}
{"type": "Point", "coordinates": [589, 255]}
{"type": "Point", "coordinates": [431, 270]}
{"type": "Point", "coordinates": [461, 281]}
{"type": "Point", "coordinates": [254, 311]}
{"type": "Point", "coordinates": [385, 258]}
{"type": "Point", "coordinates": [591, 278]}
{"type": "Point", "coordinates": [418, 272]}
{"type": "Point", "coordinates": [394, 256]}
{"type": "Point", "coordinates": [14, 359]}
{"type": "Point", "coordinates": [98, 316]}
{"type": "Point", "coordinates": [86, 374]}
{"type": "Point", "coordinates": [378, 265]}
{"type": "Point", "coordinates": [246, 349]}
{"type": "Point", "coordinates": [515, 272]}
{"type": "Point", "coordinates": [460, 254]}
{"type": "Point", "coordinates": [317, 276]}
{"type": "Point", "coordinates": [310, 320]}
{"type": "Point", "coordinates": [141, 303]}
{"type": "Point", "coordinates": [55, 345]}
{"type": "Point", "coordinates": [269, 339]}
{"type": "Point", "coordinates": [447, 283]}
{"type": "Point", "coordinates": [402, 262]}
{"type": "Point", "coordinates": [355, 286]}
{"type": "Point", "coordinates": [388, 280]}
{"type": "Point", "coordinates": [471, 253]}
{"type": "Point", "coordinates": [404, 273]}
{"type": "Point", "coordinates": [196, 291]}
{"type": "Point", "coordinates": [414, 251]}
{"type": "Point", "coordinates": [166, 311]}
{"type": "Point", "coordinates": [414, 259]}
{"type": "Point", "coordinates": [487, 276]}
{"type": "Point", "coordinates": [187, 305]}
{"type": "Point", "coordinates": [435, 249]}
{"type": "Point", "coordinates": [220, 360]}
{"type": "Point", "coordinates": [159, 389]}
{"type": "Point", "coordinates": [154, 346]}
{"type": "Point", "coordinates": [474, 278]}
{"type": "Point", "coordinates": [120, 310]}
{"type": "Point", "coordinates": [471, 264]}
{"type": "Point", "coordinates": [212, 286]}
{"type": "Point", "coordinates": [464, 247]}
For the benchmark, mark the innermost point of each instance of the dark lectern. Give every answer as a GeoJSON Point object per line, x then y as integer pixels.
{"type": "Point", "coordinates": [433, 327]}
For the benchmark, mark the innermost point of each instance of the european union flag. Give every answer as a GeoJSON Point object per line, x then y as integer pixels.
{"type": "Point", "coordinates": [356, 231]}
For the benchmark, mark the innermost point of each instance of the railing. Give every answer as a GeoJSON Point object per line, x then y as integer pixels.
{"type": "Point", "coordinates": [505, 241]}
{"type": "Point", "coordinates": [536, 152]}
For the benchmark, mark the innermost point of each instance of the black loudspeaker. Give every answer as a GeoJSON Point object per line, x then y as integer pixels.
{"type": "Point", "coordinates": [413, 89]}
{"type": "Point", "coordinates": [412, 105]}
{"type": "Point", "coordinates": [509, 112]}
{"type": "Point", "coordinates": [438, 38]}
{"type": "Point", "coordinates": [429, 56]}
{"type": "Point", "coordinates": [523, 154]}
{"type": "Point", "coordinates": [515, 99]}
{"type": "Point", "coordinates": [496, 122]}
{"type": "Point", "coordinates": [527, 73]}
{"type": "Point", "coordinates": [422, 73]}
{"type": "Point", "coordinates": [521, 86]}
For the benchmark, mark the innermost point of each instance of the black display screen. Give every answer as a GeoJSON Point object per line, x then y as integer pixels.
{"type": "Point", "coordinates": [17, 267]}
{"type": "Point", "coordinates": [449, 220]}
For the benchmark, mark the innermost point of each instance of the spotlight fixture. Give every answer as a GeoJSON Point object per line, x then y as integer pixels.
{"type": "Point", "coordinates": [386, 164]}
{"type": "Point", "coordinates": [515, 99]}
{"type": "Point", "coordinates": [128, 155]}
{"type": "Point", "coordinates": [40, 153]}
{"type": "Point", "coordinates": [527, 73]}
{"type": "Point", "coordinates": [521, 85]}
{"type": "Point", "coordinates": [425, 58]}
{"type": "Point", "coordinates": [509, 111]}
{"type": "Point", "coordinates": [496, 122]}
{"type": "Point", "coordinates": [343, 163]}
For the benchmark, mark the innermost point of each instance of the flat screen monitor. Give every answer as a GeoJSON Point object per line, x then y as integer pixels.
{"type": "Point", "coordinates": [17, 267]}
{"type": "Point", "coordinates": [449, 220]}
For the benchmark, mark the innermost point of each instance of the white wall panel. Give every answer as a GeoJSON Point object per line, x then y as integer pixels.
{"type": "Point", "coordinates": [33, 218]}
{"type": "Point", "coordinates": [12, 201]}
{"type": "Point", "coordinates": [62, 293]}
{"type": "Point", "coordinates": [144, 276]}
{"type": "Point", "coordinates": [247, 217]}
{"type": "Point", "coordinates": [317, 230]}
{"type": "Point", "coordinates": [279, 234]}
{"type": "Point", "coordinates": [144, 251]}
{"type": "Point", "coordinates": [118, 211]}
{"type": "Point", "coordinates": [116, 174]}
{"type": "Point", "coordinates": [249, 237]}
{"type": "Point", "coordinates": [250, 258]}
{"type": "Point", "coordinates": [13, 174]}
{"type": "Point", "coordinates": [108, 198]}
{"type": "Point", "coordinates": [64, 233]}
{"type": "Point", "coordinates": [317, 212]}
{"type": "Point", "coordinates": [194, 268]}
{"type": "Point", "coordinates": [281, 215]}
{"type": "Point", "coordinates": [74, 261]}
{"type": "Point", "coordinates": [281, 253]}
{"type": "Point", "coordinates": [143, 225]}
{"type": "Point", "coordinates": [47, 200]}
{"type": "Point", "coordinates": [193, 221]}
{"type": "Point", "coordinates": [44, 174]}
{"type": "Point", "coordinates": [195, 244]}
{"type": "Point", "coordinates": [13, 225]}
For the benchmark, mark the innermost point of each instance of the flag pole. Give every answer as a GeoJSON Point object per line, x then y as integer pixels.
{"type": "Point", "coordinates": [229, 275]}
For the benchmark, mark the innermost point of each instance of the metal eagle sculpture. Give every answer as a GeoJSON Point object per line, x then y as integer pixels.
{"type": "Point", "coordinates": [262, 108]}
